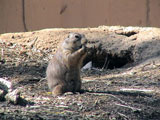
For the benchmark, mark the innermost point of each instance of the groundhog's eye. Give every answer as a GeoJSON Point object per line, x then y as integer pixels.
{"type": "Point", "coordinates": [78, 37]}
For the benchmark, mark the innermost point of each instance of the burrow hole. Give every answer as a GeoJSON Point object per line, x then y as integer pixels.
{"type": "Point", "coordinates": [106, 60]}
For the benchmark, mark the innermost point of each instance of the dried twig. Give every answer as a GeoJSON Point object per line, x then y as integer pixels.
{"type": "Point", "coordinates": [127, 106]}
{"type": "Point", "coordinates": [42, 79]}
{"type": "Point", "coordinates": [31, 44]}
{"type": "Point", "coordinates": [111, 96]}
{"type": "Point", "coordinates": [123, 115]}
{"type": "Point", "coordinates": [106, 62]}
{"type": "Point", "coordinates": [131, 90]}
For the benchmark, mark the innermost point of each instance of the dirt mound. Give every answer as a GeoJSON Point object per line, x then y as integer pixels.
{"type": "Point", "coordinates": [121, 44]}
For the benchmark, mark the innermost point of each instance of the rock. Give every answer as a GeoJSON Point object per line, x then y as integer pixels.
{"type": "Point", "coordinates": [13, 97]}
{"type": "Point", "coordinates": [88, 66]}
{"type": "Point", "coordinates": [4, 84]}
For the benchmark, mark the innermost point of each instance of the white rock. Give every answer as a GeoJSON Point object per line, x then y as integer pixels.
{"type": "Point", "coordinates": [6, 83]}
{"type": "Point", "coordinates": [88, 66]}
{"type": "Point", "coordinates": [13, 96]}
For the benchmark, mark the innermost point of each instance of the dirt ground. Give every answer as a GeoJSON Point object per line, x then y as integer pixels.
{"type": "Point", "coordinates": [126, 92]}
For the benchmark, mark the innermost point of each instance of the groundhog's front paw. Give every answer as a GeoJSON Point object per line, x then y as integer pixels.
{"type": "Point", "coordinates": [90, 50]}
{"type": "Point", "coordinates": [84, 48]}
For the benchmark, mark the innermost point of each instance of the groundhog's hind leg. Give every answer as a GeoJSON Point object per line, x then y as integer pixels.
{"type": "Point", "coordinates": [78, 87]}
{"type": "Point", "coordinates": [58, 90]}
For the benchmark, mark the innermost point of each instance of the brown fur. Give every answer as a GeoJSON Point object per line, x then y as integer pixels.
{"type": "Point", "coordinates": [63, 71]}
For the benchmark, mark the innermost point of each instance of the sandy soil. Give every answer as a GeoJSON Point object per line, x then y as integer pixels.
{"type": "Point", "coordinates": [24, 58]}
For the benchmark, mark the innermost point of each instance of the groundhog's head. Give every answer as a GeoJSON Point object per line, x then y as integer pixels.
{"type": "Point", "coordinates": [74, 41]}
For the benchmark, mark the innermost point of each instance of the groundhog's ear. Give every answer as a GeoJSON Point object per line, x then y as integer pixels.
{"type": "Point", "coordinates": [68, 36]}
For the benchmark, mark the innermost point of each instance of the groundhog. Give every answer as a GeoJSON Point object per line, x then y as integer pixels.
{"type": "Point", "coordinates": [63, 71]}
